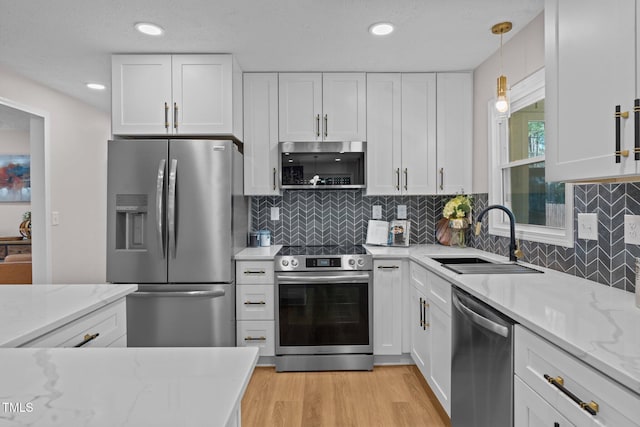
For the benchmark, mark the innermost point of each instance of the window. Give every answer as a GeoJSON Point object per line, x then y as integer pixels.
{"type": "Point", "coordinates": [543, 210]}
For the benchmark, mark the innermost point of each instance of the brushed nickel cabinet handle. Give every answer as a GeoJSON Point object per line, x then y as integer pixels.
{"type": "Point", "coordinates": [274, 179]}
{"type": "Point", "coordinates": [175, 115]}
{"type": "Point", "coordinates": [326, 126]}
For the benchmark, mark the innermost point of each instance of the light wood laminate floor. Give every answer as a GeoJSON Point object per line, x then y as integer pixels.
{"type": "Point", "coordinates": [388, 396]}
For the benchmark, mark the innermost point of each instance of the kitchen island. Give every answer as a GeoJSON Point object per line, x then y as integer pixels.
{"type": "Point", "coordinates": [99, 386]}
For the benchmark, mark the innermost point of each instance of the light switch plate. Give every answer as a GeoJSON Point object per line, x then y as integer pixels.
{"type": "Point", "coordinates": [588, 226]}
{"type": "Point", "coordinates": [275, 214]}
{"type": "Point", "coordinates": [55, 218]}
{"type": "Point", "coordinates": [377, 212]}
{"type": "Point", "coordinates": [632, 229]}
{"type": "Point", "coordinates": [402, 212]}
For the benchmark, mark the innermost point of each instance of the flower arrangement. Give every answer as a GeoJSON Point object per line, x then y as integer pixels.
{"type": "Point", "coordinates": [458, 212]}
{"type": "Point", "coordinates": [458, 208]}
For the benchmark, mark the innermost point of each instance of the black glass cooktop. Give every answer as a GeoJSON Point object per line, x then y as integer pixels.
{"type": "Point", "coordinates": [322, 250]}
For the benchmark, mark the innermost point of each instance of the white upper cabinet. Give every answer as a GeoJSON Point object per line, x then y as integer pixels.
{"type": "Point", "coordinates": [176, 94]}
{"type": "Point", "coordinates": [454, 130]}
{"type": "Point", "coordinates": [322, 107]}
{"type": "Point", "coordinates": [418, 171]}
{"type": "Point", "coordinates": [591, 67]}
{"type": "Point", "coordinates": [261, 134]}
{"type": "Point", "coordinates": [401, 131]}
{"type": "Point", "coordinates": [384, 134]}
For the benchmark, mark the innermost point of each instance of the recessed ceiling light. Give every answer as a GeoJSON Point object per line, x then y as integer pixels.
{"type": "Point", "coordinates": [149, 29]}
{"type": "Point", "coordinates": [96, 86]}
{"type": "Point", "coordinates": [381, 28]}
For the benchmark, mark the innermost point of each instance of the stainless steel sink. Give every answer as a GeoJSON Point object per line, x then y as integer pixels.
{"type": "Point", "coordinates": [475, 265]}
{"type": "Point", "coordinates": [462, 260]}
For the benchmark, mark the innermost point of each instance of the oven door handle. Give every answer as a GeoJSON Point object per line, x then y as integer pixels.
{"type": "Point", "coordinates": [358, 278]}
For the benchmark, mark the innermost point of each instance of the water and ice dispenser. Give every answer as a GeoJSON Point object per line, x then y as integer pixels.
{"type": "Point", "coordinates": [131, 218]}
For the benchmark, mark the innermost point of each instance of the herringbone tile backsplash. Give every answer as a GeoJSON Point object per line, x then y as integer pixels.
{"type": "Point", "coordinates": [337, 217]}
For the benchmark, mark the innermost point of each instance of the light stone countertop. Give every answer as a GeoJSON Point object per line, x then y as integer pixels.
{"type": "Point", "coordinates": [261, 253]}
{"type": "Point", "coordinates": [108, 387]}
{"type": "Point", "coordinates": [596, 323]}
{"type": "Point", "coordinates": [27, 312]}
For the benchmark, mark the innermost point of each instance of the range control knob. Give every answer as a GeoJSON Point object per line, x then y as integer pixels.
{"type": "Point", "coordinates": [360, 262]}
{"type": "Point", "coordinates": [285, 263]}
{"type": "Point", "coordinates": [352, 262]}
{"type": "Point", "coordinates": [294, 262]}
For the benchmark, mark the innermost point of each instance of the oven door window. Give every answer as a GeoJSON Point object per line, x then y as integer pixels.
{"type": "Point", "coordinates": [323, 314]}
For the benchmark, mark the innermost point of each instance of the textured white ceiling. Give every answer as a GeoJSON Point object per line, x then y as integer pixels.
{"type": "Point", "coordinates": [65, 43]}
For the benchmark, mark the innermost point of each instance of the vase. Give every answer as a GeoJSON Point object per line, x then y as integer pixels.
{"type": "Point", "coordinates": [459, 228]}
{"type": "Point", "coordinates": [25, 228]}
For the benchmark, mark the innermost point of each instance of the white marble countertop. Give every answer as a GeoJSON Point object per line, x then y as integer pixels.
{"type": "Point", "coordinates": [263, 253]}
{"type": "Point", "coordinates": [597, 324]}
{"type": "Point", "coordinates": [107, 387]}
{"type": "Point", "coordinates": [27, 312]}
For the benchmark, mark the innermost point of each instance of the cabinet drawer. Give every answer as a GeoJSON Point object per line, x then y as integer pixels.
{"type": "Point", "coordinates": [418, 276]}
{"type": "Point", "coordinates": [109, 322]}
{"type": "Point", "coordinates": [439, 292]}
{"type": "Point", "coordinates": [257, 333]}
{"type": "Point", "coordinates": [530, 410]}
{"type": "Point", "coordinates": [254, 302]}
{"type": "Point", "coordinates": [254, 272]}
{"type": "Point", "coordinates": [535, 357]}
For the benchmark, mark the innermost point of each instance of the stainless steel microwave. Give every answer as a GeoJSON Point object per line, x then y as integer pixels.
{"type": "Point", "coordinates": [322, 165]}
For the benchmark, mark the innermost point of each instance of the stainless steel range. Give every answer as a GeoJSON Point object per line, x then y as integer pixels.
{"type": "Point", "coordinates": [324, 304]}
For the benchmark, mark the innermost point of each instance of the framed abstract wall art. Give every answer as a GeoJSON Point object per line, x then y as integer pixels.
{"type": "Point", "coordinates": [15, 178]}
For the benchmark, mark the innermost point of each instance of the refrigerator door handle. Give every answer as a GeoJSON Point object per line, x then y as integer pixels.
{"type": "Point", "coordinates": [171, 208]}
{"type": "Point", "coordinates": [159, 207]}
{"type": "Point", "coordinates": [210, 294]}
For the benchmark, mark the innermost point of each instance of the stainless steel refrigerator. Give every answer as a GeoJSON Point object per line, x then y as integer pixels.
{"type": "Point", "coordinates": [176, 216]}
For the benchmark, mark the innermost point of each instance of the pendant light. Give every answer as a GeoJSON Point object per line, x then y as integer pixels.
{"type": "Point", "coordinates": [502, 105]}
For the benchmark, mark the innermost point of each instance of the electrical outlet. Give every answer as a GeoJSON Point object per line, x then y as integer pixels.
{"type": "Point", "coordinates": [402, 212]}
{"type": "Point", "coordinates": [632, 229]}
{"type": "Point", "coordinates": [377, 212]}
{"type": "Point", "coordinates": [588, 226]}
{"type": "Point", "coordinates": [55, 218]}
{"type": "Point", "coordinates": [275, 214]}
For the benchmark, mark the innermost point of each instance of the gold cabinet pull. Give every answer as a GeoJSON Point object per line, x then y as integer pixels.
{"type": "Point", "coordinates": [619, 151]}
{"type": "Point", "coordinates": [317, 125]}
{"type": "Point", "coordinates": [398, 179]}
{"type": "Point", "coordinates": [326, 125]}
{"type": "Point", "coordinates": [558, 382]}
{"type": "Point", "coordinates": [175, 115]}
{"type": "Point", "coordinates": [87, 338]}
{"type": "Point", "coordinates": [166, 115]}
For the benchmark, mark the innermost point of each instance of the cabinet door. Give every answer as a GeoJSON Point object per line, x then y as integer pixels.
{"type": "Point", "coordinates": [384, 134]}
{"type": "Point", "coordinates": [202, 94]}
{"type": "Point", "coordinates": [439, 334]}
{"type": "Point", "coordinates": [418, 174]}
{"type": "Point", "coordinates": [530, 410]}
{"type": "Point", "coordinates": [261, 134]}
{"type": "Point", "coordinates": [387, 307]}
{"type": "Point", "coordinates": [344, 107]}
{"type": "Point", "coordinates": [454, 133]}
{"type": "Point", "coordinates": [419, 327]}
{"type": "Point", "coordinates": [300, 106]}
{"type": "Point", "coordinates": [140, 91]}
{"type": "Point", "coordinates": [589, 70]}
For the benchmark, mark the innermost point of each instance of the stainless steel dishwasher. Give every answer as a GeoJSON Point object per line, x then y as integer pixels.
{"type": "Point", "coordinates": [481, 364]}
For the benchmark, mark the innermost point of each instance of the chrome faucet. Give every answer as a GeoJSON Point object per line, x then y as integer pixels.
{"type": "Point", "coordinates": [514, 248]}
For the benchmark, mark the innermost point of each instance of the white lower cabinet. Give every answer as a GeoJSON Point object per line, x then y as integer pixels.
{"type": "Point", "coordinates": [104, 327]}
{"type": "Point", "coordinates": [255, 317]}
{"type": "Point", "coordinates": [431, 330]}
{"type": "Point", "coordinates": [387, 307]}
{"type": "Point", "coordinates": [257, 333]}
{"type": "Point", "coordinates": [537, 360]}
{"type": "Point", "coordinates": [530, 410]}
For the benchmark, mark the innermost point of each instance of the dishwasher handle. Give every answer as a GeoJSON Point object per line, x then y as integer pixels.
{"type": "Point", "coordinates": [480, 320]}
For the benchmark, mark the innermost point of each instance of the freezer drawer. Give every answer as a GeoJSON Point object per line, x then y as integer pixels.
{"type": "Point", "coordinates": [181, 316]}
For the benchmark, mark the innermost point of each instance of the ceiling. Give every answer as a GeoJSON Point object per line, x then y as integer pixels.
{"type": "Point", "coordinates": [65, 43]}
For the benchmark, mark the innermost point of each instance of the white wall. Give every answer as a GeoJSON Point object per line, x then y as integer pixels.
{"type": "Point", "coordinates": [522, 55]}
{"type": "Point", "coordinates": [13, 141]}
{"type": "Point", "coordinates": [78, 177]}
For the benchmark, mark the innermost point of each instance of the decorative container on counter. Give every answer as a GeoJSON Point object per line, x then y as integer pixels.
{"type": "Point", "coordinates": [459, 228]}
